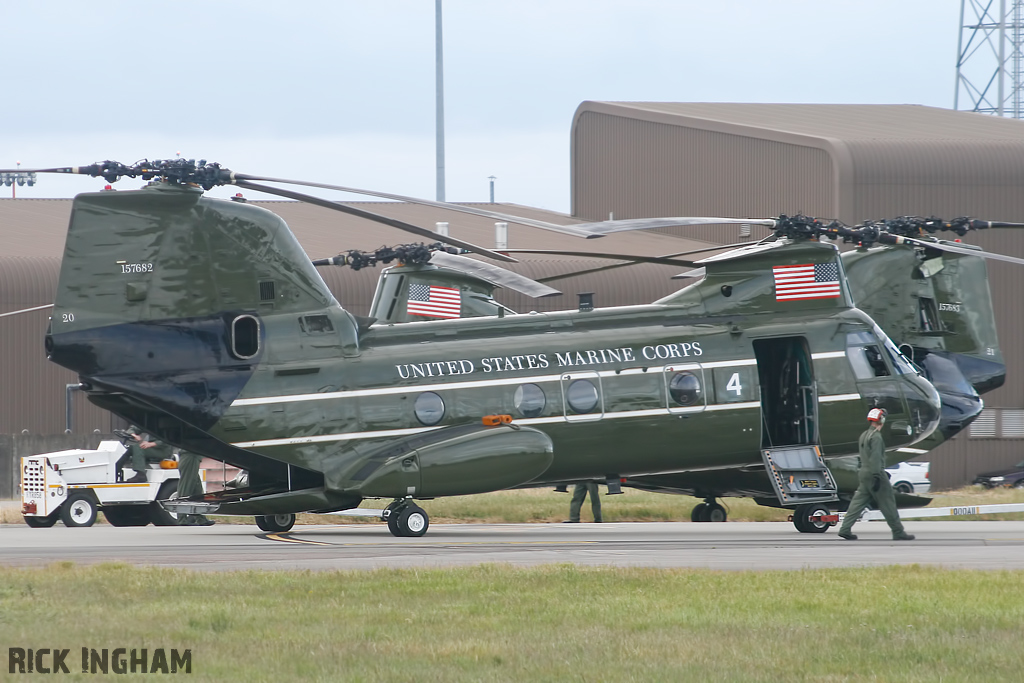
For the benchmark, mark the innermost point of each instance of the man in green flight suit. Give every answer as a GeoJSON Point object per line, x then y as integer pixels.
{"type": "Point", "coordinates": [190, 485]}
{"type": "Point", "coordinates": [874, 486]}
{"type": "Point", "coordinates": [579, 494]}
{"type": "Point", "coordinates": [142, 449]}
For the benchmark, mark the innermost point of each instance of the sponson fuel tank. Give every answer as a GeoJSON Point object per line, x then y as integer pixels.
{"type": "Point", "coordinates": [455, 461]}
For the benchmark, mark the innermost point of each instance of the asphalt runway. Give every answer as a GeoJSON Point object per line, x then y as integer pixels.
{"type": "Point", "coordinates": [727, 546]}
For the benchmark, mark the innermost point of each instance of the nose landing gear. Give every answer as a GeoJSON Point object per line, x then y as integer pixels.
{"type": "Point", "coordinates": [804, 524]}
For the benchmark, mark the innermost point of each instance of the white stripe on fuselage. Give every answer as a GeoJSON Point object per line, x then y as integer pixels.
{"type": "Point", "coordinates": [554, 419]}
{"type": "Point", "coordinates": [477, 384]}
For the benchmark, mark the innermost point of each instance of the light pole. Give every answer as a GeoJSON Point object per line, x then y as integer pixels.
{"type": "Point", "coordinates": [12, 180]}
{"type": "Point", "coordinates": [492, 179]}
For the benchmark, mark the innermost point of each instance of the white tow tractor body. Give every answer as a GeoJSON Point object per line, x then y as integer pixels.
{"type": "Point", "coordinates": [74, 485]}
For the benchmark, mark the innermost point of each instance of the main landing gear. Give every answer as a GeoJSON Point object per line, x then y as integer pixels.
{"type": "Point", "coordinates": [406, 518]}
{"type": "Point", "coordinates": [708, 511]}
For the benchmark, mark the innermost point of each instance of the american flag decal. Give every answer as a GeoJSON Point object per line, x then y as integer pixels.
{"type": "Point", "coordinates": [434, 302]}
{"type": "Point", "coordinates": [806, 281]}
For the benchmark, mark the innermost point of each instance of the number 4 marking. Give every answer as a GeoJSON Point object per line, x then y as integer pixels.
{"type": "Point", "coordinates": [734, 384]}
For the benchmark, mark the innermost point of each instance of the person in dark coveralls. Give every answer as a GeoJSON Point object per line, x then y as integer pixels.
{"type": "Point", "coordinates": [579, 494]}
{"type": "Point", "coordinates": [190, 485]}
{"type": "Point", "coordinates": [873, 484]}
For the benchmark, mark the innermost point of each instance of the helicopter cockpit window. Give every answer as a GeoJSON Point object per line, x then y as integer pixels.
{"type": "Point", "coordinates": [429, 408]}
{"type": "Point", "coordinates": [865, 356]}
{"type": "Point", "coordinates": [245, 337]}
{"type": "Point", "coordinates": [899, 361]}
{"type": "Point", "coordinates": [582, 396]}
{"type": "Point", "coordinates": [529, 400]}
{"type": "Point", "coordinates": [684, 387]}
{"type": "Point", "coordinates": [316, 324]}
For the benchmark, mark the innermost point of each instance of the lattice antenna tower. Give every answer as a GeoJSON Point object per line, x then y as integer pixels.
{"type": "Point", "coordinates": [989, 60]}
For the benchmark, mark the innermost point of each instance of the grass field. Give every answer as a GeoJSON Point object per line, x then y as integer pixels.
{"type": "Point", "coordinates": [553, 623]}
{"type": "Point", "coordinates": [545, 506]}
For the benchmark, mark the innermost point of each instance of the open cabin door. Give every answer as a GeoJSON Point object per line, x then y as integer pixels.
{"type": "Point", "coordinates": [789, 404]}
{"type": "Point", "coordinates": [789, 422]}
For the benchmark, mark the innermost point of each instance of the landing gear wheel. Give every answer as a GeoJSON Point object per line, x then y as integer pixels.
{"type": "Point", "coordinates": [157, 513]}
{"type": "Point", "coordinates": [390, 515]}
{"type": "Point", "coordinates": [43, 522]}
{"type": "Point", "coordinates": [127, 515]}
{"type": "Point", "coordinates": [697, 514]}
{"type": "Point", "coordinates": [412, 521]}
{"type": "Point", "coordinates": [275, 523]}
{"type": "Point", "coordinates": [78, 510]}
{"type": "Point", "coordinates": [714, 513]}
{"type": "Point", "coordinates": [808, 526]}
{"type": "Point", "coordinates": [393, 522]}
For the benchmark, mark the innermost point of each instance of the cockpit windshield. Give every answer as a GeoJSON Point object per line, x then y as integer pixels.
{"type": "Point", "coordinates": [899, 361]}
{"type": "Point", "coordinates": [867, 353]}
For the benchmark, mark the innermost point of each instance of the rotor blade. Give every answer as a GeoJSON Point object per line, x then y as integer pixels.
{"type": "Point", "coordinates": [401, 225]}
{"type": "Point", "coordinates": [699, 272]}
{"type": "Point", "coordinates": [496, 275]}
{"type": "Point", "coordinates": [544, 225]}
{"type": "Point", "coordinates": [26, 310]}
{"type": "Point", "coordinates": [632, 259]}
{"type": "Point", "coordinates": [589, 230]}
{"type": "Point", "coordinates": [602, 228]}
{"type": "Point", "coordinates": [941, 246]}
{"type": "Point", "coordinates": [630, 262]}
{"type": "Point", "coordinates": [81, 170]}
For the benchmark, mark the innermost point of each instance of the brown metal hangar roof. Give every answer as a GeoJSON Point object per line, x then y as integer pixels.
{"type": "Point", "coordinates": [847, 161]}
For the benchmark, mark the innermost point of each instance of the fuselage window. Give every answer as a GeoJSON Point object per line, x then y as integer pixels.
{"type": "Point", "coordinates": [245, 337]}
{"type": "Point", "coordinates": [928, 315]}
{"type": "Point", "coordinates": [429, 408]}
{"type": "Point", "coordinates": [316, 324]}
{"type": "Point", "coordinates": [529, 400]}
{"type": "Point", "coordinates": [684, 387]}
{"type": "Point", "coordinates": [582, 396]}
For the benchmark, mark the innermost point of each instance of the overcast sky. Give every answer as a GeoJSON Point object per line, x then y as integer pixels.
{"type": "Point", "coordinates": [342, 92]}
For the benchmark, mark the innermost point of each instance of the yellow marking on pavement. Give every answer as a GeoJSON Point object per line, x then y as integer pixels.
{"type": "Point", "coordinates": [284, 539]}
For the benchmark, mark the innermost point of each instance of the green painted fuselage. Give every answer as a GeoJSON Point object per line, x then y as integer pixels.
{"type": "Point", "coordinates": [204, 321]}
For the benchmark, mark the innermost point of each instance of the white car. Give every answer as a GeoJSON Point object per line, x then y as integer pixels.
{"type": "Point", "coordinates": [910, 477]}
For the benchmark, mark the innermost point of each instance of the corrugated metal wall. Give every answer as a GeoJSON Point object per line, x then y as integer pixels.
{"type": "Point", "coordinates": [948, 178]}
{"type": "Point", "coordinates": [34, 392]}
{"type": "Point", "coordinates": [634, 169]}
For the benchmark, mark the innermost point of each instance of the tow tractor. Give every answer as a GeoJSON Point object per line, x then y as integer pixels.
{"type": "Point", "coordinates": [74, 485]}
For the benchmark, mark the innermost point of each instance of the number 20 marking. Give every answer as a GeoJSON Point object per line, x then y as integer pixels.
{"type": "Point", "coordinates": [67, 317]}
{"type": "Point", "coordinates": [734, 384]}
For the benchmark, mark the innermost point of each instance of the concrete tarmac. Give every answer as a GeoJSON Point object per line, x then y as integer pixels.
{"type": "Point", "coordinates": [725, 546]}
